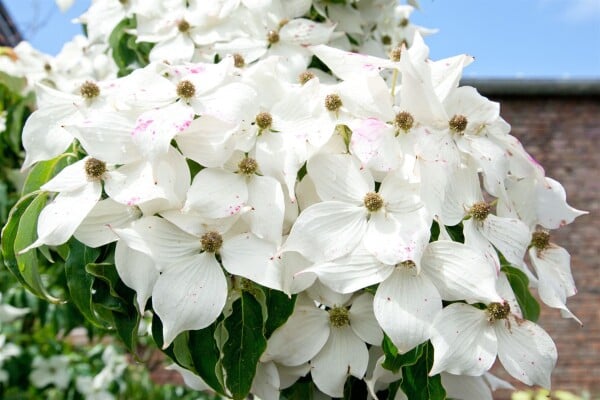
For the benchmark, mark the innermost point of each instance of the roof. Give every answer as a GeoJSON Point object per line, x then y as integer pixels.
{"type": "Point", "coordinates": [9, 34]}
{"type": "Point", "coordinates": [534, 87]}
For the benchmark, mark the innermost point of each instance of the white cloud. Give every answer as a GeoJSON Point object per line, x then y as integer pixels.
{"type": "Point", "coordinates": [575, 10]}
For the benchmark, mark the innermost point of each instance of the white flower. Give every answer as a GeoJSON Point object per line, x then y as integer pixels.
{"type": "Point", "coordinates": [466, 341]}
{"type": "Point", "coordinates": [9, 313]}
{"type": "Point", "coordinates": [352, 212]}
{"type": "Point", "coordinates": [50, 371]}
{"type": "Point", "coordinates": [92, 388]}
{"type": "Point", "coordinates": [333, 340]}
{"type": "Point", "coordinates": [410, 293]}
{"type": "Point", "coordinates": [552, 265]}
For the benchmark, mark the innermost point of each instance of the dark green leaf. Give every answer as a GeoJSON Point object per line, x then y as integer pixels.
{"type": "Point", "coordinates": [107, 272]}
{"type": "Point", "coordinates": [205, 356]}
{"type": "Point", "coordinates": [416, 382]}
{"type": "Point", "coordinates": [80, 282]}
{"type": "Point", "coordinates": [279, 309]}
{"type": "Point", "coordinates": [456, 233]}
{"type": "Point", "coordinates": [245, 345]}
{"type": "Point", "coordinates": [520, 286]}
{"type": "Point", "coordinates": [301, 390]}
{"type": "Point", "coordinates": [394, 363]}
{"type": "Point", "coordinates": [126, 326]}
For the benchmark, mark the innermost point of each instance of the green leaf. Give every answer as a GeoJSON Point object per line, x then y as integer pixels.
{"type": "Point", "coordinates": [157, 335]}
{"type": "Point", "coordinates": [417, 384]}
{"type": "Point", "coordinates": [28, 263]}
{"type": "Point", "coordinates": [205, 356]}
{"type": "Point", "coordinates": [43, 171]}
{"type": "Point", "coordinates": [80, 282]}
{"type": "Point", "coordinates": [9, 233]}
{"type": "Point", "coordinates": [520, 286]}
{"type": "Point", "coordinates": [181, 349]}
{"type": "Point", "coordinates": [394, 363]}
{"type": "Point", "coordinates": [126, 326]}
{"type": "Point", "coordinates": [456, 233]}
{"type": "Point", "coordinates": [127, 53]}
{"type": "Point", "coordinates": [301, 390]}
{"type": "Point", "coordinates": [279, 309]}
{"type": "Point", "coordinates": [107, 272]}
{"type": "Point", "coordinates": [13, 83]}
{"type": "Point", "coordinates": [245, 345]}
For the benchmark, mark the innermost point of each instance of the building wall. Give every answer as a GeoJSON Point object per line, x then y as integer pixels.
{"type": "Point", "coordinates": [563, 134]}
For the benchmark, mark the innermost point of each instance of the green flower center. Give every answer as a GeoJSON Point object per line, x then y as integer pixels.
{"type": "Point", "coordinates": [211, 241]}
{"type": "Point", "coordinates": [94, 169]}
{"type": "Point", "coordinates": [338, 316]}
{"type": "Point", "coordinates": [458, 123]}
{"type": "Point", "coordinates": [89, 90]}
{"type": "Point", "coordinates": [480, 210]}
{"type": "Point", "coordinates": [498, 311]}
{"type": "Point", "coordinates": [373, 201]}
{"type": "Point", "coordinates": [186, 89]}
{"type": "Point", "coordinates": [386, 40]}
{"type": "Point", "coordinates": [333, 102]}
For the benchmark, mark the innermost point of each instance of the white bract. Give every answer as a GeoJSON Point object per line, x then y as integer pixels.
{"type": "Point", "coordinates": [379, 191]}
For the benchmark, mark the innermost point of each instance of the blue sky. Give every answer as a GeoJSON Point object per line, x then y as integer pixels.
{"type": "Point", "coordinates": [509, 38]}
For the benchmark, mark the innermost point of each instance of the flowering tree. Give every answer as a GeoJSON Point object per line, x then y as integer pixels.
{"type": "Point", "coordinates": [307, 204]}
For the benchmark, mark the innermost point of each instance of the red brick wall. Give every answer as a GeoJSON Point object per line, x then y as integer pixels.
{"type": "Point", "coordinates": [563, 134]}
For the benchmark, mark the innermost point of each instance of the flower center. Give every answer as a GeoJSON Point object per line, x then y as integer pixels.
{"type": "Point", "coordinates": [373, 201]}
{"type": "Point", "coordinates": [480, 210]}
{"type": "Point", "coordinates": [264, 120]}
{"type": "Point", "coordinates": [94, 169]}
{"type": "Point", "coordinates": [395, 54]}
{"type": "Point", "coordinates": [186, 89]}
{"type": "Point", "coordinates": [404, 22]}
{"type": "Point", "coordinates": [248, 166]}
{"type": "Point", "coordinates": [404, 120]}
{"type": "Point", "coordinates": [305, 77]}
{"type": "Point", "coordinates": [408, 264]}
{"type": "Point", "coordinates": [458, 123]}
{"type": "Point", "coordinates": [540, 240]}
{"type": "Point", "coordinates": [333, 102]}
{"type": "Point", "coordinates": [183, 26]}
{"type": "Point", "coordinates": [338, 316]}
{"type": "Point", "coordinates": [89, 90]}
{"type": "Point", "coordinates": [238, 60]}
{"type": "Point", "coordinates": [498, 311]}
{"type": "Point", "coordinates": [386, 40]}
{"type": "Point", "coordinates": [211, 241]}
{"type": "Point", "coordinates": [272, 37]}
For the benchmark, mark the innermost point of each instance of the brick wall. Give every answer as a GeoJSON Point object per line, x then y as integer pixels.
{"type": "Point", "coordinates": [563, 134]}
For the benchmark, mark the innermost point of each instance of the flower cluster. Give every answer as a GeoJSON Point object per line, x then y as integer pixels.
{"type": "Point", "coordinates": [384, 196]}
